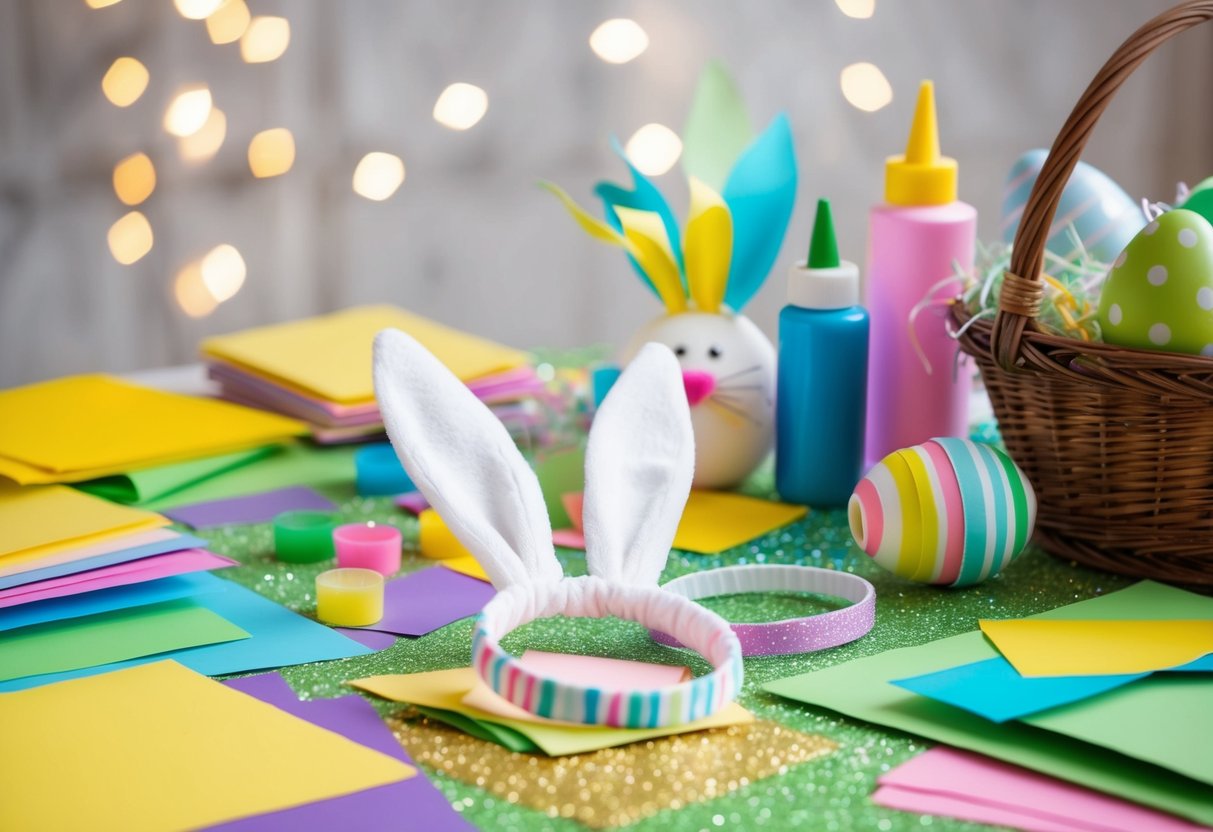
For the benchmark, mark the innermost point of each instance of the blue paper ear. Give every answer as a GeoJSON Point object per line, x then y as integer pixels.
{"type": "Point", "coordinates": [644, 196]}
{"type": "Point", "coordinates": [760, 193]}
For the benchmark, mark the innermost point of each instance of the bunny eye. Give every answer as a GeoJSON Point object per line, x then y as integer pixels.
{"type": "Point", "coordinates": [680, 350]}
{"type": "Point", "coordinates": [714, 352]}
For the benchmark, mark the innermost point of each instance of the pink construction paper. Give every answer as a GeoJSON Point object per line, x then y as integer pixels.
{"type": "Point", "coordinates": [990, 789]}
{"type": "Point", "coordinates": [568, 538]}
{"type": "Point", "coordinates": [119, 574]}
{"type": "Point", "coordinates": [413, 502]}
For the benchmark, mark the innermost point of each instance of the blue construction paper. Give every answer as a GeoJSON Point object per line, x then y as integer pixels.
{"type": "Point", "coordinates": [279, 638]}
{"type": "Point", "coordinates": [103, 600]}
{"type": "Point", "coordinates": [160, 547]}
{"type": "Point", "coordinates": [760, 193]}
{"type": "Point", "coordinates": [994, 689]}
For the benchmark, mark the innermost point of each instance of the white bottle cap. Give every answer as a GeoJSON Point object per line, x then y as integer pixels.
{"type": "Point", "coordinates": [835, 288]}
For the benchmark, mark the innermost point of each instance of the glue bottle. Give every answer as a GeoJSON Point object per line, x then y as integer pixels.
{"type": "Point", "coordinates": [823, 375]}
{"type": "Point", "coordinates": [916, 241]}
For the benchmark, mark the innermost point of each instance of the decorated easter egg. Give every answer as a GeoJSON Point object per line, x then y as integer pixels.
{"type": "Point", "coordinates": [949, 512]}
{"type": "Point", "coordinates": [1200, 199]}
{"type": "Point", "coordinates": [1159, 293]}
{"type": "Point", "coordinates": [1101, 213]}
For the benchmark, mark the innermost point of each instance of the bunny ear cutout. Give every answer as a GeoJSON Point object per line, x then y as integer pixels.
{"type": "Point", "coordinates": [708, 246]}
{"type": "Point", "coordinates": [461, 458]}
{"type": "Point", "coordinates": [760, 193]}
{"type": "Point", "coordinates": [644, 196]}
{"type": "Point", "coordinates": [717, 130]}
{"type": "Point", "coordinates": [644, 230]}
{"type": "Point", "coordinates": [638, 467]}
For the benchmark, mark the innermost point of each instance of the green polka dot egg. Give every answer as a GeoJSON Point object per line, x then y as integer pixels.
{"type": "Point", "coordinates": [1159, 293]}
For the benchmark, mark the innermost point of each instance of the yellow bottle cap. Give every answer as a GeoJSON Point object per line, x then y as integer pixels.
{"type": "Point", "coordinates": [922, 176]}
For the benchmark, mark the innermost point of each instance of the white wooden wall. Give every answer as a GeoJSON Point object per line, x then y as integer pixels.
{"type": "Point", "coordinates": [469, 238]}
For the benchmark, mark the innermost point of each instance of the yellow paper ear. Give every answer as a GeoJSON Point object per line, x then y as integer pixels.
{"type": "Point", "coordinates": [707, 247]}
{"type": "Point", "coordinates": [645, 231]}
{"type": "Point", "coordinates": [593, 226]}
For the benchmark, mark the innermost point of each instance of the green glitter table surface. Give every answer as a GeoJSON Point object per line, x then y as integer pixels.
{"type": "Point", "coordinates": [826, 794]}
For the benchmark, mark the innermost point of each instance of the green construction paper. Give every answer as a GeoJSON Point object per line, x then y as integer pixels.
{"type": "Point", "coordinates": [329, 469]}
{"type": "Point", "coordinates": [487, 731]}
{"type": "Point", "coordinates": [560, 473]}
{"type": "Point", "coordinates": [111, 637]}
{"type": "Point", "coordinates": [717, 129]}
{"type": "Point", "coordinates": [138, 487]}
{"type": "Point", "coordinates": [861, 689]}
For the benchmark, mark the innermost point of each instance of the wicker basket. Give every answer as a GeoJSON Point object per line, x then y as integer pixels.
{"type": "Point", "coordinates": [1117, 442]}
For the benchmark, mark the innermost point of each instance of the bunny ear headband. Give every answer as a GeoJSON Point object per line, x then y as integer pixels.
{"type": "Point", "coordinates": [639, 463]}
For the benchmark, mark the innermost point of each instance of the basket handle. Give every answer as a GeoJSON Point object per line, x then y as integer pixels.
{"type": "Point", "coordinates": [1020, 298]}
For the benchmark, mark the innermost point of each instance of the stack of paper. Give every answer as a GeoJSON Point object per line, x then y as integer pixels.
{"type": "Point", "coordinates": [319, 370]}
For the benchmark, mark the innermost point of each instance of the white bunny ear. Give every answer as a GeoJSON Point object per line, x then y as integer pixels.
{"type": "Point", "coordinates": [461, 458]}
{"type": "Point", "coordinates": [638, 468]}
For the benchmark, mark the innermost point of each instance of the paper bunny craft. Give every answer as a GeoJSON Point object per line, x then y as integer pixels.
{"type": "Point", "coordinates": [739, 212]}
{"type": "Point", "coordinates": [639, 461]}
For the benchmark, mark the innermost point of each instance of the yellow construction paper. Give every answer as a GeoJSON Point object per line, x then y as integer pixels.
{"type": "Point", "coordinates": [41, 520]}
{"type": "Point", "coordinates": [646, 231]}
{"type": "Point", "coordinates": [163, 748]}
{"type": "Point", "coordinates": [467, 565]}
{"type": "Point", "coordinates": [83, 427]}
{"type": "Point", "coordinates": [717, 520]}
{"type": "Point", "coordinates": [445, 689]}
{"type": "Point", "coordinates": [1039, 647]}
{"type": "Point", "coordinates": [708, 247]}
{"type": "Point", "coordinates": [590, 224]}
{"type": "Point", "coordinates": [330, 356]}
{"type": "Point", "coordinates": [435, 538]}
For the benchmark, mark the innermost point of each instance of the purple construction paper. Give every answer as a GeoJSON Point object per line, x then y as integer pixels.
{"type": "Point", "coordinates": [413, 502]}
{"type": "Point", "coordinates": [255, 508]}
{"type": "Point", "coordinates": [368, 638]}
{"type": "Point", "coordinates": [411, 804]}
{"type": "Point", "coordinates": [421, 602]}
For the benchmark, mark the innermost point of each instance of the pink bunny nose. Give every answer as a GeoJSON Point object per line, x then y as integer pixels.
{"type": "Point", "coordinates": [699, 385]}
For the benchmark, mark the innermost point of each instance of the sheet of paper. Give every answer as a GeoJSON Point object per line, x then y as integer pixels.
{"type": "Point", "coordinates": [424, 601]}
{"type": "Point", "coordinates": [372, 639]}
{"type": "Point", "coordinates": [111, 637]}
{"type": "Point", "coordinates": [445, 689]}
{"type": "Point", "coordinates": [118, 575]}
{"type": "Point", "coordinates": [150, 763]}
{"type": "Point", "coordinates": [568, 539]}
{"type": "Point", "coordinates": [84, 427]}
{"type": "Point", "coordinates": [279, 638]}
{"type": "Point", "coordinates": [861, 689]}
{"type": "Point", "coordinates": [717, 520]}
{"type": "Point", "coordinates": [559, 473]}
{"type": "Point", "coordinates": [330, 356]}
{"type": "Point", "coordinates": [466, 565]}
{"type": "Point", "coordinates": [985, 790]}
{"type": "Point", "coordinates": [252, 508]}
{"type": "Point", "coordinates": [414, 502]}
{"type": "Point", "coordinates": [353, 718]}
{"type": "Point", "coordinates": [117, 550]}
{"type": "Point", "coordinates": [718, 128]}
{"type": "Point", "coordinates": [35, 522]}
{"type": "Point", "coordinates": [135, 487]}
{"type": "Point", "coordinates": [1098, 648]}
{"type": "Point", "coordinates": [104, 600]}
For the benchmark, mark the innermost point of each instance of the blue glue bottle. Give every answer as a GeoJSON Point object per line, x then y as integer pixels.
{"type": "Point", "coordinates": [821, 399]}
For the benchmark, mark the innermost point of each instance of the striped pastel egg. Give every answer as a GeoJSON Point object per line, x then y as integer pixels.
{"type": "Point", "coordinates": [948, 511]}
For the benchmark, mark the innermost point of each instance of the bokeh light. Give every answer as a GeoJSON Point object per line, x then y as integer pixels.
{"type": "Point", "coordinates": [654, 149]}
{"type": "Point", "coordinates": [858, 9]}
{"type": "Point", "coordinates": [134, 179]}
{"type": "Point", "coordinates": [228, 23]}
{"type": "Point", "coordinates": [223, 272]}
{"type": "Point", "coordinates": [130, 238]}
{"type": "Point", "coordinates": [271, 152]}
{"type": "Point", "coordinates": [265, 39]}
{"type": "Point", "coordinates": [460, 106]}
{"type": "Point", "coordinates": [188, 111]}
{"type": "Point", "coordinates": [124, 82]}
{"type": "Point", "coordinates": [192, 295]}
{"type": "Point", "coordinates": [100, 4]}
{"type": "Point", "coordinates": [203, 144]}
{"type": "Point", "coordinates": [619, 40]}
{"type": "Point", "coordinates": [196, 9]}
{"type": "Point", "coordinates": [865, 87]}
{"type": "Point", "coordinates": [378, 176]}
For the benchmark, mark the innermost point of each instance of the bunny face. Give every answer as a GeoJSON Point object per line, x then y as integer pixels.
{"type": "Point", "coordinates": [728, 372]}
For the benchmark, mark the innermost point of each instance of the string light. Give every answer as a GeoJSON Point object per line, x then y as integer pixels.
{"type": "Point", "coordinates": [189, 110]}
{"type": "Point", "coordinates": [134, 179]}
{"type": "Point", "coordinates": [654, 149]}
{"type": "Point", "coordinates": [223, 272]}
{"type": "Point", "coordinates": [865, 87]}
{"type": "Point", "coordinates": [859, 9]}
{"type": "Point", "coordinates": [378, 176]}
{"type": "Point", "coordinates": [461, 106]}
{"type": "Point", "coordinates": [619, 40]}
{"type": "Point", "coordinates": [200, 146]}
{"type": "Point", "coordinates": [228, 23]}
{"type": "Point", "coordinates": [271, 152]}
{"type": "Point", "coordinates": [265, 39]}
{"type": "Point", "coordinates": [130, 238]}
{"type": "Point", "coordinates": [124, 82]}
{"type": "Point", "coordinates": [192, 295]}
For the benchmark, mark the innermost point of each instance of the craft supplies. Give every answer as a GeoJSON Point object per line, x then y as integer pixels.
{"type": "Point", "coordinates": [797, 635]}
{"type": "Point", "coordinates": [250, 508]}
{"type": "Point", "coordinates": [1159, 294]}
{"type": "Point", "coordinates": [368, 546]}
{"type": "Point", "coordinates": [421, 602]}
{"type": "Point", "coordinates": [916, 239]}
{"type": "Point", "coordinates": [304, 536]}
{"type": "Point", "coordinates": [639, 460]}
{"type": "Point", "coordinates": [821, 401]}
{"type": "Point", "coordinates": [950, 512]}
{"type": "Point", "coordinates": [349, 597]}
{"type": "Point", "coordinates": [435, 539]}
{"type": "Point", "coordinates": [378, 471]}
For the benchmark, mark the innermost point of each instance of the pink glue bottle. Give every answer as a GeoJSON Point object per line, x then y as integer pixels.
{"type": "Point", "coordinates": [916, 240]}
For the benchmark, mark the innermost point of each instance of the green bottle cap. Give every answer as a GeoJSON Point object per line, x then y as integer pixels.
{"type": "Point", "coordinates": [823, 248]}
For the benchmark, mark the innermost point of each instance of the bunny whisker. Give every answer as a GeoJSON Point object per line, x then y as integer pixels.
{"type": "Point", "coordinates": [732, 408]}
{"type": "Point", "coordinates": [737, 373]}
{"type": "Point", "coordinates": [728, 388]}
